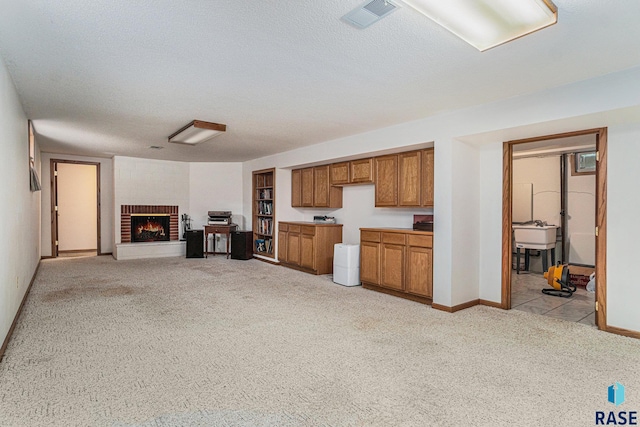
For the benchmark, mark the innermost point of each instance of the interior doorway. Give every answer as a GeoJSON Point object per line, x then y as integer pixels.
{"type": "Point", "coordinates": [75, 208]}
{"type": "Point", "coordinates": [573, 245]}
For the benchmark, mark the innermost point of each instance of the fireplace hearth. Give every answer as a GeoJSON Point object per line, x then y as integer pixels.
{"type": "Point", "coordinates": [150, 227]}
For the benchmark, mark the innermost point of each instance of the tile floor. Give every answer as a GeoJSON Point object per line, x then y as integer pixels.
{"type": "Point", "coordinates": [526, 295]}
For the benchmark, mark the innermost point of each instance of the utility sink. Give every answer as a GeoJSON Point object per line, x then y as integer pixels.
{"type": "Point", "coordinates": [535, 237]}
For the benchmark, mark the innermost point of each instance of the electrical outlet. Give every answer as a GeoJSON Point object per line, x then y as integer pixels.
{"type": "Point", "coordinates": [17, 282]}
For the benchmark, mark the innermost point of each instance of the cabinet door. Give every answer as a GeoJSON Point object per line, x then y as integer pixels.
{"type": "Point", "coordinates": [293, 248]}
{"type": "Point", "coordinates": [427, 177]}
{"type": "Point", "coordinates": [386, 176]}
{"type": "Point", "coordinates": [306, 188]}
{"type": "Point", "coordinates": [392, 266]}
{"type": "Point", "coordinates": [370, 262]}
{"type": "Point", "coordinates": [321, 186]}
{"type": "Point", "coordinates": [339, 173]}
{"type": "Point", "coordinates": [361, 171]}
{"type": "Point", "coordinates": [410, 171]}
{"type": "Point", "coordinates": [296, 188]}
{"type": "Point", "coordinates": [307, 252]}
{"type": "Point", "coordinates": [420, 271]}
{"type": "Point", "coordinates": [282, 246]}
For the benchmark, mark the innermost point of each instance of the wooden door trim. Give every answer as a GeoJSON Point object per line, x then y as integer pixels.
{"type": "Point", "coordinates": [54, 193]}
{"type": "Point", "coordinates": [601, 217]}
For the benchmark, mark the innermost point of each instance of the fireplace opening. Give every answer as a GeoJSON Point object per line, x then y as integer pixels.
{"type": "Point", "coordinates": [150, 227]}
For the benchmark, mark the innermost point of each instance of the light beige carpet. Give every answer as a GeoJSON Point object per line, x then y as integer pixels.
{"type": "Point", "coordinates": [217, 342]}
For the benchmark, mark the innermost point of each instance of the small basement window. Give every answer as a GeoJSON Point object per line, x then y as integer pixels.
{"type": "Point", "coordinates": [583, 163]}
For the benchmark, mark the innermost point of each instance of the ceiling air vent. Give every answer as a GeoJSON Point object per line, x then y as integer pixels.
{"type": "Point", "coordinates": [369, 12]}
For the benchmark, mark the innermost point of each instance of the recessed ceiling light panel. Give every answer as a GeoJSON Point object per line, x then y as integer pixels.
{"type": "Point", "coordinates": [488, 23]}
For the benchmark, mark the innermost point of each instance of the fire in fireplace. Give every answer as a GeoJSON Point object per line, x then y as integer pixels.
{"type": "Point", "coordinates": [150, 227]}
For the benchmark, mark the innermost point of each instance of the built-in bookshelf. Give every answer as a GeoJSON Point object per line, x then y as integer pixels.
{"type": "Point", "coordinates": [264, 211]}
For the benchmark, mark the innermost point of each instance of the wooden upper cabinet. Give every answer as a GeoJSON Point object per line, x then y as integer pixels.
{"type": "Point", "coordinates": [386, 180]}
{"type": "Point", "coordinates": [427, 177]}
{"type": "Point", "coordinates": [401, 180]}
{"type": "Point", "coordinates": [296, 188]}
{"type": "Point", "coordinates": [311, 187]}
{"type": "Point", "coordinates": [306, 188]}
{"type": "Point", "coordinates": [354, 172]}
{"type": "Point", "coordinates": [410, 172]}
{"type": "Point", "coordinates": [321, 186]}
{"type": "Point", "coordinates": [361, 171]}
{"type": "Point", "coordinates": [340, 173]}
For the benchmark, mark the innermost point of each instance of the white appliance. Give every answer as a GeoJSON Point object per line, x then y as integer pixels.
{"type": "Point", "coordinates": [535, 237]}
{"type": "Point", "coordinates": [346, 264]}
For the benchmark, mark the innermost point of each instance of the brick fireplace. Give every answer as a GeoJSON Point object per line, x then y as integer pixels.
{"type": "Point", "coordinates": [126, 211]}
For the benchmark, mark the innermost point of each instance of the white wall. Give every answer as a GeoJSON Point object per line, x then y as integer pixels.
{"type": "Point", "coordinates": [544, 174]}
{"type": "Point", "coordinates": [465, 243]}
{"type": "Point", "coordinates": [106, 200]}
{"type": "Point", "coordinates": [490, 238]}
{"type": "Point", "coordinates": [195, 188]}
{"type": "Point", "coordinates": [216, 187]}
{"type": "Point", "coordinates": [623, 229]}
{"type": "Point", "coordinates": [19, 207]}
{"type": "Point", "coordinates": [610, 100]}
{"type": "Point", "coordinates": [77, 207]}
{"type": "Point", "coordinates": [148, 182]}
{"type": "Point", "coordinates": [581, 217]}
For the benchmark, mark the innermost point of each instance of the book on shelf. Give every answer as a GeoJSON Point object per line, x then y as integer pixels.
{"type": "Point", "coordinates": [260, 245]}
{"type": "Point", "coordinates": [265, 225]}
{"type": "Point", "coordinates": [265, 208]}
{"type": "Point", "coordinates": [265, 194]}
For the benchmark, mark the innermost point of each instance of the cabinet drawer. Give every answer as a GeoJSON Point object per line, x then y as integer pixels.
{"type": "Point", "coordinates": [422, 241]}
{"type": "Point", "coordinates": [294, 228]}
{"type": "Point", "coordinates": [394, 238]}
{"type": "Point", "coordinates": [307, 229]}
{"type": "Point", "coordinates": [370, 236]}
{"type": "Point", "coordinates": [283, 227]}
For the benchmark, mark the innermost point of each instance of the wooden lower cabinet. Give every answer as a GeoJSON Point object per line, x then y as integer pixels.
{"type": "Point", "coordinates": [309, 246]}
{"type": "Point", "coordinates": [293, 245]}
{"type": "Point", "coordinates": [393, 266]}
{"type": "Point", "coordinates": [398, 262]}
{"type": "Point", "coordinates": [420, 271]}
{"type": "Point", "coordinates": [370, 262]}
{"type": "Point", "coordinates": [282, 244]}
{"type": "Point", "coordinates": [307, 251]}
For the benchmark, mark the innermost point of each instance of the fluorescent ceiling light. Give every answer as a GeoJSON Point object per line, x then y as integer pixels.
{"type": "Point", "coordinates": [196, 132]}
{"type": "Point", "coordinates": [488, 23]}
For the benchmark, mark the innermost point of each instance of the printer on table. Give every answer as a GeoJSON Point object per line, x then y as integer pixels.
{"type": "Point", "coordinates": [219, 218]}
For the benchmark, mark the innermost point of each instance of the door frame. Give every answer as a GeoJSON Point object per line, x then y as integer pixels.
{"type": "Point", "coordinates": [54, 201]}
{"type": "Point", "coordinates": [601, 217]}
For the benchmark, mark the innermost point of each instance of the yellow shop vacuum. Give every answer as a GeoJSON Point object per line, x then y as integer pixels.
{"type": "Point", "coordinates": [558, 278]}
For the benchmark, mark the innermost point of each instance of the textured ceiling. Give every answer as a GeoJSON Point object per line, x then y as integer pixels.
{"type": "Point", "coordinates": [114, 77]}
